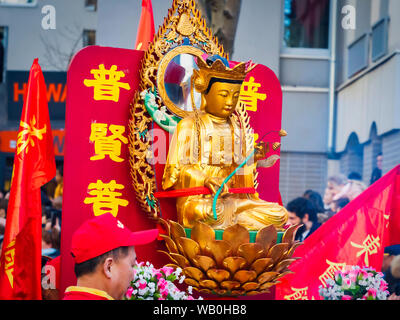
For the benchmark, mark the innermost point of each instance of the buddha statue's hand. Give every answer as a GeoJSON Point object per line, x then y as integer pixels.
{"type": "Point", "coordinates": [261, 151]}
{"type": "Point", "coordinates": [214, 183]}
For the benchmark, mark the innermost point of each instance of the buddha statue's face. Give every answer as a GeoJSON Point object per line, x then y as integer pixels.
{"type": "Point", "coordinates": [222, 99]}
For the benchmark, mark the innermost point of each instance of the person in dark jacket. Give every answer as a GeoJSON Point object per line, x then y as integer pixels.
{"type": "Point", "coordinates": [303, 211]}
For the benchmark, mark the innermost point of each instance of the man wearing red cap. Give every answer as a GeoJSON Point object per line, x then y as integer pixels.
{"type": "Point", "coordinates": [103, 249]}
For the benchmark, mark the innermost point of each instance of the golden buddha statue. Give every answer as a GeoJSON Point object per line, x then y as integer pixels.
{"type": "Point", "coordinates": [208, 146]}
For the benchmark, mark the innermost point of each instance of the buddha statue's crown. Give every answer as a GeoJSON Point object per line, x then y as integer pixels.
{"type": "Point", "coordinates": [218, 67]}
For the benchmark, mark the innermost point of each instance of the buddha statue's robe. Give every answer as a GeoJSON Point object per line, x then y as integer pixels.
{"type": "Point", "coordinates": [207, 146]}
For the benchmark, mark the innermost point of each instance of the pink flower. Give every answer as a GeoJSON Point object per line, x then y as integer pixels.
{"type": "Point", "coordinates": [383, 286]}
{"type": "Point", "coordinates": [353, 275]}
{"type": "Point", "coordinates": [346, 297]}
{"type": "Point", "coordinates": [129, 293]}
{"type": "Point", "coordinates": [190, 298]}
{"type": "Point", "coordinates": [162, 283]}
{"type": "Point", "coordinates": [164, 293]}
{"type": "Point", "coordinates": [157, 274]}
{"type": "Point", "coordinates": [347, 282]}
{"type": "Point", "coordinates": [142, 285]}
{"type": "Point", "coordinates": [371, 293]}
{"type": "Point", "coordinates": [167, 271]}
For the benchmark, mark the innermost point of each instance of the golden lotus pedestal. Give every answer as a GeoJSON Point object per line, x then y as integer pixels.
{"type": "Point", "coordinates": [232, 262]}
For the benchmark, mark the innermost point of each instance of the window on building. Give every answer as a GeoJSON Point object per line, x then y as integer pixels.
{"type": "Point", "coordinates": [3, 50]}
{"type": "Point", "coordinates": [379, 39]}
{"type": "Point", "coordinates": [306, 24]}
{"type": "Point", "coordinates": [19, 2]}
{"type": "Point", "coordinates": [91, 5]}
{"type": "Point", "coordinates": [89, 38]}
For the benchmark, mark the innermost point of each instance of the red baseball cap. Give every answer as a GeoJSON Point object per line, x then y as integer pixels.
{"type": "Point", "coordinates": [105, 233]}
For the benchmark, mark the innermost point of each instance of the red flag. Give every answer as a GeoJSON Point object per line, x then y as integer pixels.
{"type": "Point", "coordinates": [145, 32]}
{"type": "Point", "coordinates": [34, 166]}
{"type": "Point", "coordinates": [355, 236]}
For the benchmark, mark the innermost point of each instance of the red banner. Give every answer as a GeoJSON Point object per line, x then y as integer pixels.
{"type": "Point", "coordinates": [101, 84]}
{"type": "Point", "coordinates": [34, 166]}
{"type": "Point", "coordinates": [355, 236]}
{"type": "Point", "coordinates": [145, 33]}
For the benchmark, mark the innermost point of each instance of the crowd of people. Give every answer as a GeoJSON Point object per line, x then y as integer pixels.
{"type": "Point", "coordinates": [51, 197]}
{"type": "Point", "coordinates": [311, 210]}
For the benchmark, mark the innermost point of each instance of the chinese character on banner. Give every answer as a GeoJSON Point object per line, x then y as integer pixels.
{"type": "Point", "coordinates": [25, 136]}
{"type": "Point", "coordinates": [106, 83]}
{"type": "Point", "coordinates": [330, 271]}
{"type": "Point", "coordinates": [298, 294]}
{"type": "Point", "coordinates": [249, 94]}
{"type": "Point", "coordinates": [107, 145]}
{"type": "Point", "coordinates": [9, 262]}
{"type": "Point", "coordinates": [105, 199]}
{"type": "Point", "coordinates": [369, 246]}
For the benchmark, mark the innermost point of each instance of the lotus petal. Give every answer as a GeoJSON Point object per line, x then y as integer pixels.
{"type": "Point", "coordinates": [236, 235]}
{"type": "Point", "coordinates": [284, 264]}
{"type": "Point", "coordinates": [219, 250]}
{"type": "Point", "coordinates": [170, 265]}
{"type": "Point", "coordinates": [290, 233]}
{"type": "Point", "coordinates": [191, 282]}
{"type": "Point", "coordinates": [203, 234]}
{"type": "Point", "coordinates": [218, 275]}
{"type": "Point", "coordinates": [177, 230]}
{"type": "Point", "coordinates": [220, 292]}
{"type": "Point", "coordinates": [281, 275]}
{"type": "Point", "coordinates": [250, 286]}
{"type": "Point", "coordinates": [267, 237]}
{"type": "Point", "coordinates": [292, 249]}
{"type": "Point", "coordinates": [204, 262]}
{"type": "Point", "coordinates": [245, 276]}
{"type": "Point", "coordinates": [266, 277]}
{"type": "Point", "coordinates": [164, 224]}
{"type": "Point", "coordinates": [209, 284]}
{"type": "Point", "coordinates": [267, 285]}
{"type": "Point", "coordinates": [252, 293]}
{"type": "Point", "coordinates": [193, 273]}
{"type": "Point", "coordinates": [207, 291]}
{"type": "Point", "coordinates": [230, 285]}
{"type": "Point", "coordinates": [170, 244]}
{"type": "Point", "coordinates": [251, 251]}
{"type": "Point", "coordinates": [234, 264]}
{"type": "Point", "coordinates": [260, 265]}
{"type": "Point", "coordinates": [237, 292]}
{"type": "Point", "coordinates": [190, 247]}
{"type": "Point", "coordinates": [277, 252]}
{"type": "Point", "coordinates": [180, 260]}
{"type": "Point", "coordinates": [169, 256]}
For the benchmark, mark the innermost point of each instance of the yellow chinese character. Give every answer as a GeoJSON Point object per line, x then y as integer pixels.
{"type": "Point", "coordinates": [249, 94]}
{"type": "Point", "coordinates": [369, 246]}
{"type": "Point", "coordinates": [330, 271]}
{"type": "Point", "coordinates": [298, 294]}
{"type": "Point", "coordinates": [106, 83]}
{"type": "Point", "coordinates": [105, 198]}
{"type": "Point", "coordinates": [9, 262]}
{"type": "Point", "coordinates": [26, 135]}
{"type": "Point", "coordinates": [107, 145]}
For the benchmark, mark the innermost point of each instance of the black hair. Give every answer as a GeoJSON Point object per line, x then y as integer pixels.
{"type": "Point", "coordinates": [214, 80]}
{"type": "Point", "coordinates": [60, 169]}
{"type": "Point", "coordinates": [302, 206]}
{"type": "Point", "coordinates": [316, 199]}
{"type": "Point", "coordinates": [342, 202]}
{"type": "Point", "coordinates": [89, 266]}
{"type": "Point", "coordinates": [355, 176]}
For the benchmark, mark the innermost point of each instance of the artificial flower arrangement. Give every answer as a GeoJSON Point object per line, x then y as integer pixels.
{"type": "Point", "coordinates": [150, 283]}
{"type": "Point", "coordinates": [356, 283]}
